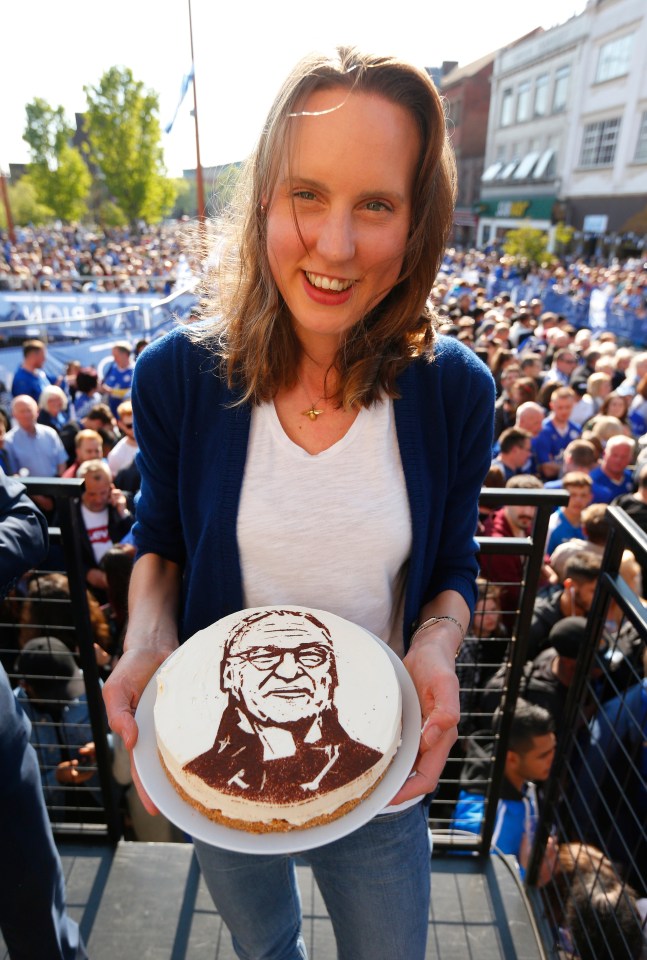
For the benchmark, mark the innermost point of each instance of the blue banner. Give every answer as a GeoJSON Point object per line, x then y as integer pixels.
{"type": "Point", "coordinates": [72, 331]}
{"type": "Point", "coordinates": [627, 323]}
{"type": "Point", "coordinates": [60, 317]}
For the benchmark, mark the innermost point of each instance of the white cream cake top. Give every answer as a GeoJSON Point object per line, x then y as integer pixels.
{"type": "Point", "coordinates": [191, 700]}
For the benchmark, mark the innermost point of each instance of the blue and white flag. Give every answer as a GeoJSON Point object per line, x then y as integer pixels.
{"type": "Point", "coordinates": [186, 80]}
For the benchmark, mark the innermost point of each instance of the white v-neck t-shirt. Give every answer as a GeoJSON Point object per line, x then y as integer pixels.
{"type": "Point", "coordinates": [331, 530]}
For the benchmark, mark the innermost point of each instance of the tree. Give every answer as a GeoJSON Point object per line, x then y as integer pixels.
{"type": "Point", "coordinates": [527, 243]}
{"type": "Point", "coordinates": [124, 137]}
{"type": "Point", "coordinates": [57, 171]}
{"type": "Point", "coordinates": [563, 236]}
{"type": "Point", "coordinates": [24, 204]}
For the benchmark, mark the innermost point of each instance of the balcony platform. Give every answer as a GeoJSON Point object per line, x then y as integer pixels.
{"type": "Point", "coordinates": [147, 901]}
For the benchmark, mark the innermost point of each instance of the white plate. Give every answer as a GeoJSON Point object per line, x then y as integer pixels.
{"type": "Point", "coordinates": [181, 813]}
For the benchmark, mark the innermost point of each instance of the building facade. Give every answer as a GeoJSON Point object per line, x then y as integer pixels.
{"type": "Point", "coordinates": [467, 94]}
{"type": "Point", "coordinates": [530, 115]}
{"type": "Point", "coordinates": [567, 132]}
{"type": "Point", "coordinates": [605, 177]}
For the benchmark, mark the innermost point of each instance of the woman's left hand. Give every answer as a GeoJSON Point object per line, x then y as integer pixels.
{"type": "Point", "coordinates": [431, 665]}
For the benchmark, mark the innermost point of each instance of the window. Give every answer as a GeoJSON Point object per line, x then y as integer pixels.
{"type": "Point", "coordinates": [599, 143]}
{"type": "Point", "coordinates": [541, 96]}
{"type": "Point", "coordinates": [526, 165]}
{"type": "Point", "coordinates": [614, 59]}
{"type": "Point", "coordinates": [545, 165]}
{"type": "Point", "coordinates": [560, 93]}
{"type": "Point", "coordinates": [509, 169]}
{"type": "Point", "coordinates": [492, 171]}
{"type": "Point", "coordinates": [523, 101]}
{"type": "Point", "coordinates": [506, 107]}
{"type": "Point", "coordinates": [641, 146]}
{"type": "Point", "coordinates": [456, 111]}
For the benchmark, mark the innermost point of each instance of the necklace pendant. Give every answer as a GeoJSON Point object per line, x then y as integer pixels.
{"type": "Point", "coordinates": [312, 413]}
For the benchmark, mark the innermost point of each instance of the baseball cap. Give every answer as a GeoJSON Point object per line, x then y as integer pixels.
{"type": "Point", "coordinates": [50, 668]}
{"type": "Point", "coordinates": [567, 636]}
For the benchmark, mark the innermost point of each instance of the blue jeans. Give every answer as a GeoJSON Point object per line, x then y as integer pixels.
{"type": "Point", "coordinates": [375, 884]}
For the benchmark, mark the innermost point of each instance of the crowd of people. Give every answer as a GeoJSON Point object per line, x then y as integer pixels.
{"type": "Point", "coordinates": [570, 414]}
{"type": "Point", "coordinates": [77, 259]}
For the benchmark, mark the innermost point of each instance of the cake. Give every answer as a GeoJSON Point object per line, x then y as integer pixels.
{"type": "Point", "coordinates": [277, 719]}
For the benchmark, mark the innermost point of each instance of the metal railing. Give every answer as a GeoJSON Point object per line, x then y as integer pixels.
{"type": "Point", "coordinates": [596, 800]}
{"type": "Point", "coordinates": [63, 724]}
{"type": "Point", "coordinates": [476, 723]}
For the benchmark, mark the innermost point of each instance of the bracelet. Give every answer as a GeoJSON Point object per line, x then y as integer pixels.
{"type": "Point", "coordinates": [431, 621]}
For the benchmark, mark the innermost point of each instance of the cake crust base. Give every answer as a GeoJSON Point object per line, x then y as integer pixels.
{"type": "Point", "coordinates": [264, 826]}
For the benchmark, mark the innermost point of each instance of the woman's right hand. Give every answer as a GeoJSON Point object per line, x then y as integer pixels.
{"type": "Point", "coordinates": [150, 639]}
{"type": "Point", "coordinates": [122, 692]}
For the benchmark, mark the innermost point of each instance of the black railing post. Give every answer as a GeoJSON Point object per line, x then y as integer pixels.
{"type": "Point", "coordinates": [577, 693]}
{"type": "Point", "coordinates": [65, 492]}
{"type": "Point", "coordinates": [545, 502]}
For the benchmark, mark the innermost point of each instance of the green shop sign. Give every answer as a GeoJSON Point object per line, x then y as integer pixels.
{"type": "Point", "coordinates": [516, 208]}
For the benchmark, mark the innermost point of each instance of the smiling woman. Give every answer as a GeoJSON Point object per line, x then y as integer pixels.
{"type": "Point", "coordinates": [318, 445]}
{"type": "Point", "coordinates": [348, 252]}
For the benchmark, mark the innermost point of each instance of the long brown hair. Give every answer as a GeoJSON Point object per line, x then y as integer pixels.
{"type": "Point", "coordinates": [253, 335]}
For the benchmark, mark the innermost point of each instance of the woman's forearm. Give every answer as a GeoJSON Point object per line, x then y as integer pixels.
{"type": "Point", "coordinates": [153, 601]}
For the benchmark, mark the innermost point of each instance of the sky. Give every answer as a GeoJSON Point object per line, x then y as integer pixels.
{"type": "Point", "coordinates": [243, 50]}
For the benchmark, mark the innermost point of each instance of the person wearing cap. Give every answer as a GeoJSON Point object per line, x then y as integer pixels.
{"type": "Point", "coordinates": [117, 378]}
{"type": "Point", "coordinates": [33, 917]}
{"type": "Point", "coordinates": [546, 679]}
{"type": "Point", "coordinates": [528, 760]}
{"type": "Point", "coordinates": [581, 572]}
{"type": "Point", "coordinates": [52, 694]}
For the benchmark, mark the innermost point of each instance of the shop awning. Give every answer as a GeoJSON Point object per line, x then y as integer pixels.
{"type": "Point", "coordinates": [516, 208]}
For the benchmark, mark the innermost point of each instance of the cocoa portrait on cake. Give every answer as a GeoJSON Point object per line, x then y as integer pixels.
{"type": "Point", "coordinates": [280, 755]}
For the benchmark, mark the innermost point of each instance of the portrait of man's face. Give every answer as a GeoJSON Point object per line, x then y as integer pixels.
{"type": "Point", "coordinates": [282, 672]}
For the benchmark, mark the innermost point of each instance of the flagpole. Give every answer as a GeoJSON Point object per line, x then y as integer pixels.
{"type": "Point", "coordinates": [7, 207]}
{"type": "Point", "coordinates": [198, 169]}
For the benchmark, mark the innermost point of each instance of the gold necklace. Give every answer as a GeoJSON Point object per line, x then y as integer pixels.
{"type": "Point", "coordinates": [312, 412]}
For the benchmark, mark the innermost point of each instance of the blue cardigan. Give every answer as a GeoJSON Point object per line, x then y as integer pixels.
{"type": "Point", "coordinates": [193, 445]}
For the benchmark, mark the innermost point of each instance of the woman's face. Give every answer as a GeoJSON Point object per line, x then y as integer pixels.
{"type": "Point", "coordinates": [486, 617]}
{"type": "Point", "coordinates": [616, 407]}
{"type": "Point", "coordinates": [54, 406]}
{"type": "Point", "coordinates": [349, 183]}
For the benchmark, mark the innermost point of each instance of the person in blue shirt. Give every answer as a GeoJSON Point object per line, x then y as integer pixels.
{"type": "Point", "coordinates": [529, 757]}
{"type": "Point", "coordinates": [613, 477]}
{"type": "Point", "coordinates": [566, 522]}
{"type": "Point", "coordinates": [117, 378]}
{"type": "Point", "coordinates": [30, 446]}
{"type": "Point", "coordinates": [556, 433]}
{"type": "Point", "coordinates": [30, 378]}
{"type": "Point", "coordinates": [514, 452]}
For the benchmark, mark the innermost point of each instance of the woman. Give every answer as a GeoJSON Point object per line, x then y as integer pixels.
{"type": "Point", "coordinates": [637, 415]}
{"type": "Point", "coordinates": [305, 446]}
{"type": "Point", "coordinates": [52, 404]}
{"type": "Point", "coordinates": [615, 405]}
